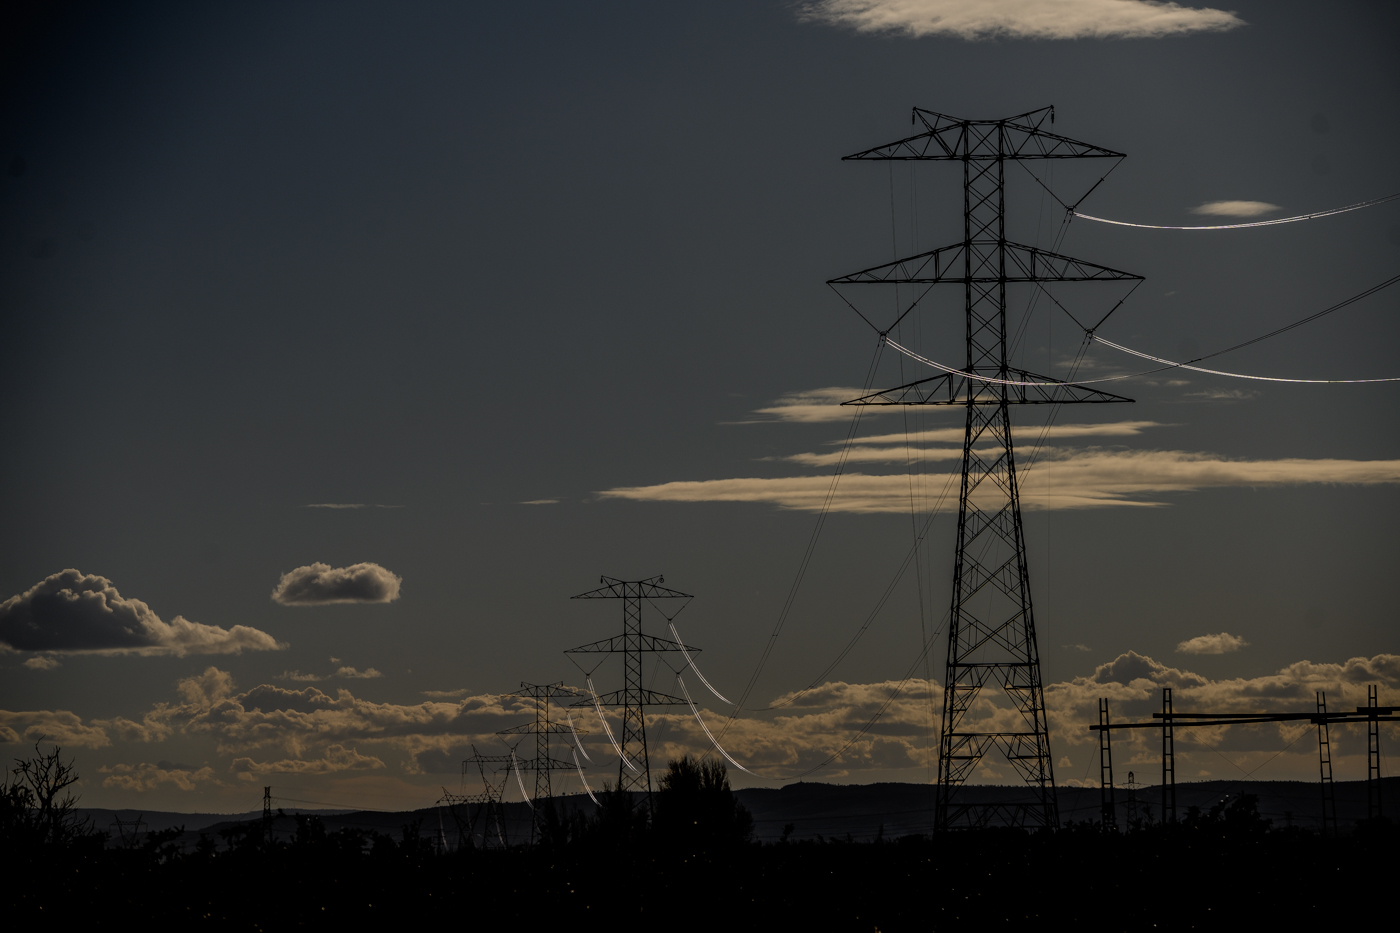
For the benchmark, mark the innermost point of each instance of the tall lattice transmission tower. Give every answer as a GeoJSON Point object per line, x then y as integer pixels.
{"type": "Point", "coordinates": [991, 630]}
{"type": "Point", "coordinates": [542, 727]}
{"type": "Point", "coordinates": [633, 770]}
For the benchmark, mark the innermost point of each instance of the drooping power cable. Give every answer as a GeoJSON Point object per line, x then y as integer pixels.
{"type": "Point", "coordinates": [727, 757]}
{"type": "Point", "coordinates": [1257, 223]}
{"type": "Point", "coordinates": [588, 789]}
{"type": "Point", "coordinates": [691, 662]}
{"type": "Point", "coordinates": [608, 729]}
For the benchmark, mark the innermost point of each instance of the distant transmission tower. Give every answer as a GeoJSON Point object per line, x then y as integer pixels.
{"type": "Point", "coordinates": [633, 645]}
{"type": "Point", "coordinates": [991, 634]}
{"type": "Point", "coordinates": [542, 728]}
{"type": "Point", "coordinates": [487, 810]}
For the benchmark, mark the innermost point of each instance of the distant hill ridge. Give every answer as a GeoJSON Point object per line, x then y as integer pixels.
{"type": "Point", "coordinates": [861, 811]}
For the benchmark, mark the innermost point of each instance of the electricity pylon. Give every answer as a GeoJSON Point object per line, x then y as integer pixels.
{"type": "Point", "coordinates": [632, 644]}
{"type": "Point", "coordinates": [542, 728]}
{"type": "Point", "coordinates": [489, 803]}
{"type": "Point", "coordinates": [991, 633]}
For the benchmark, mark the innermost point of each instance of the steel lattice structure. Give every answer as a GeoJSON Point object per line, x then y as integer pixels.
{"type": "Point", "coordinates": [493, 771]}
{"type": "Point", "coordinates": [991, 635]}
{"type": "Point", "coordinates": [542, 728]}
{"type": "Point", "coordinates": [633, 645]}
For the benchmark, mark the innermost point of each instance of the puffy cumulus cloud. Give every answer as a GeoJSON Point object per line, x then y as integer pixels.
{"type": "Point", "coordinates": [146, 776]}
{"type": "Point", "coordinates": [205, 689]}
{"type": "Point", "coordinates": [299, 677]}
{"type": "Point", "coordinates": [61, 727]}
{"type": "Point", "coordinates": [803, 731]}
{"type": "Point", "coordinates": [1020, 19]}
{"type": "Point", "coordinates": [321, 584]}
{"type": "Point", "coordinates": [72, 612]}
{"type": "Point", "coordinates": [294, 720]}
{"type": "Point", "coordinates": [1234, 208]}
{"type": "Point", "coordinates": [337, 758]}
{"type": "Point", "coordinates": [1133, 685]}
{"type": "Point", "coordinates": [1222, 643]}
{"type": "Point", "coordinates": [41, 663]}
{"type": "Point", "coordinates": [1077, 479]}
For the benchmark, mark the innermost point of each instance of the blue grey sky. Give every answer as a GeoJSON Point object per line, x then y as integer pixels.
{"type": "Point", "coordinates": [490, 279]}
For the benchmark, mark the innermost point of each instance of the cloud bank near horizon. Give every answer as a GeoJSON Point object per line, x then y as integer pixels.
{"type": "Point", "coordinates": [321, 734]}
{"type": "Point", "coordinates": [1019, 19]}
{"type": "Point", "coordinates": [71, 612]}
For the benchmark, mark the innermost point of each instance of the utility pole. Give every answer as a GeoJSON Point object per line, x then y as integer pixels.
{"type": "Point", "coordinates": [991, 633]}
{"type": "Point", "coordinates": [1108, 815]}
{"type": "Point", "coordinates": [633, 644]}
{"type": "Point", "coordinates": [1168, 759]}
{"type": "Point", "coordinates": [1324, 766]}
{"type": "Point", "coordinates": [1373, 755]}
{"type": "Point", "coordinates": [267, 815]}
{"type": "Point", "coordinates": [542, 728]}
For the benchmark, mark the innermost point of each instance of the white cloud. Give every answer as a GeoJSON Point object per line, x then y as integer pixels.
{"type": "Point", "coordinates": [1053, 432]}
{"type": "Point", "coordinates": [540, 502]}
{"type": "Point", "coordinates": [76, 613]}
{"type": "Point", "coordinates": [1084, 479]}
{"type": "Point", "coordinates": [61, 727]}
{"type": "Point", "coordinates": [911, 446]}
{"type": "Point", "coordinates": [1232, 394]}
{"type": "Point", "coordinates": [1132, 683]}
{"type": "Point", "coordinates": [810, 726]}
{"type": "Point", "coordinates": [863, 454]}
{"type": "Point", "coordinates": [351, 673]}
{"type": "Point", "coordinates": [321, 584]}
{"type": "Point", "coordinates": [1020, 19]}
{"type": "Point", "coordinates": [1222, 643]}
{"type": "Point", "coordinates": [337, 758]}
{"type": "Point", "coordinates": [812, 405]}
{"type": "Point", "coordinates": [146, 776]}
{"type": "Point", "coordinates": [41, 663]}
{"type": "Point", "coordinates": [1235, 208]}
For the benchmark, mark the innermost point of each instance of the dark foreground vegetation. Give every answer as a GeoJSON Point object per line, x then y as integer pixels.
{"type": "Point", "coordinates": [692, 867]}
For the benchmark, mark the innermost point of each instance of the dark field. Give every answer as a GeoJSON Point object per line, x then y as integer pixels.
{"type": "Point", "coordinates": [695, 866]}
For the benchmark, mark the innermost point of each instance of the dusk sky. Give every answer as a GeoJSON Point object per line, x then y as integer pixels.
{"type": "Point", "coordinates": [342, 343]}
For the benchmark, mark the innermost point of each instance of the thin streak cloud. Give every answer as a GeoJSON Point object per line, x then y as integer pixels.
{"type": "Point", "coordinates": [1061, 480]}
{"type": "Point", "coordinates": [1020, 19]}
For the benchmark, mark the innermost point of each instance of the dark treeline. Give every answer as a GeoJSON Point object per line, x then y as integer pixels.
{"type": "Point", "coordinates": [693, 865]}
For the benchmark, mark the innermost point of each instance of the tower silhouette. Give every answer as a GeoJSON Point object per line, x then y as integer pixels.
{"type": "Point", "coordinates": [991, 630]}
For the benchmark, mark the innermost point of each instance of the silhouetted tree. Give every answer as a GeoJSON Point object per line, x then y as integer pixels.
{"type": "Point", "coordinates": [36, 806]}
{"type": "Point", "coordinates": [696, 808]}
{"type": "Point", "coordinates": [618, 823]}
